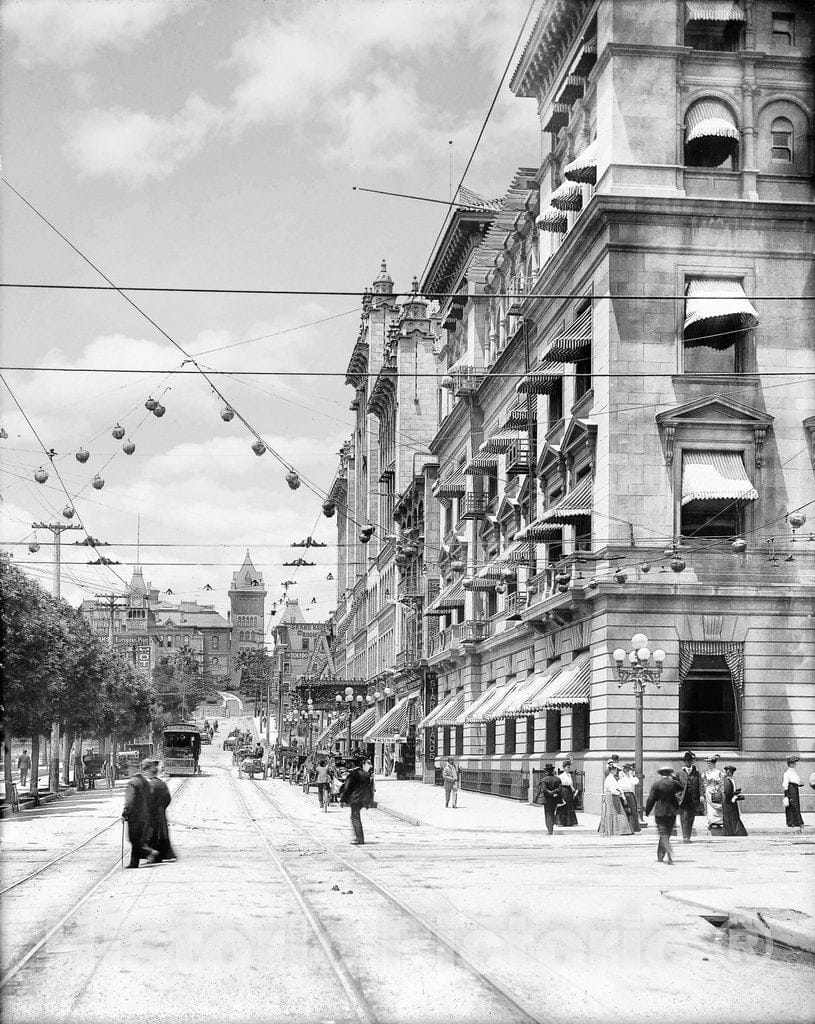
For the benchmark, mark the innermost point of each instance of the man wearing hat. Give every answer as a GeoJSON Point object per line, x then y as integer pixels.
{"type": "Point", "coordinates": [690, 793]}
{"type": "Point", "coordinates": [663, 802]}
{"type": "Point", "coordinates": [550, 789]}
{"type": "Point", "coordinates": [136, 813]}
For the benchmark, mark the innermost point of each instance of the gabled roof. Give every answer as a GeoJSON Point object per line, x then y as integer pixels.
{"type": "Point", "coordinates": [247, 577]}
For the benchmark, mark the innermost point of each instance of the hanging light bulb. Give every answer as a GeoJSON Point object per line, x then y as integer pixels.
{"type": "Point", "coordinates": [645, 567]}
{"type": "Point", "coordinates": [677, 564]}
{"type": "Point", "coordinates": [33, 547]}
{"type": "Point", "coordinates": [227, 414]}
{"type": "Point", "coordinates": [330, 576]}
{"type": "Point", "coordinates": [150, 404]}
{"type": "Point", "coordinates": [128, 447]}
{"type": "Point", "coordinates": [159, 410]}
{"type": "Point", "coordinates": [739, 545]}
{"type": "Point", "coordinates": [82, 455]}
{"type": "Point", "coordinates": [329, 508]}
{"type": "Point", "coordinates": [292, 479]}
{"type": "Point", "coordinates": [620, 576]}
{"type": "Point", "coordinates": [98, 482]}
{"type": "Point", "coordinates": [69, 512]}
{"type": "Point", "coordinates": [258, 448]}
{"type": "Point", "coordinates": [41, 475]}
{"type": "Point", "coordinates": [118, 432]}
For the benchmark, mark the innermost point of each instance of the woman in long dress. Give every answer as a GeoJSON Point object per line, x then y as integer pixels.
{"type": "Point", "coordinates": [565, 814]}
{"type": "Point", "coordinates": [791, 783]}
{"type": "Point", "coordinates": [628, 787]}
{"type": "Point", "coordinates": [712, 781]}
{"type": "Point", "coordinates": [613, 819]}
{"type": "Point", "coordinates": [732, 824]}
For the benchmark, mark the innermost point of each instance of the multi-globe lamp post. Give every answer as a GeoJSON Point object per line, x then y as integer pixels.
{"type": "Point", "coordinates": [639, 666]}
{"type": "Point", "coordinates": [353, 702]}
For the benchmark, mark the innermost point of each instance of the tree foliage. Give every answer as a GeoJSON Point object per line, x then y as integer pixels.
{"type": "Point", "coordinates": [178, 684]}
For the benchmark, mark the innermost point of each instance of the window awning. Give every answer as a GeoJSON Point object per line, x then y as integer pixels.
{"type": "Point", "coordinates": [571, 344]}
{"type": "Point", "coordinates": [362, 724]}
{"type": "Point", "coordinates": [451, 485]}
{"type": "Point", "coordinates": [572, 685]}
{"type": "Point", "coordinates": [511, 706]}
{"type": "Point", "coordinates": [539, 532]}
{"type": "Point", "coordinates": [541, 380]}
{"type": "Point", "coordinates": [534, 700]}
{"type": "Point", "coordinates": [711, 303]}
{"type": "Point", "coordinates": [502, 441]}
{"type": "Point", "coordinates": [392, 724]}
{"type": "Point", "coordinates": [451, 712]}
{"type": "Point", "coordinates": [328, 735]}
{"type": "Point", "coordinates": [430, 719]}
{"type": "Point", "coordinates": [451, 597]}
{"type": "Point", "coordinates": [481, 464]}
{"type": "Point", "coordinates": [567, 196]}
{"type": "Point", "coordinates": [715, 475]}
{"type": "Point", "coordinates": [574, 505]}
{"type": "Point", "coordinates": [713, 10]}
{"type": "Point", "coordinates": [550, 219]}
{"type": "Point", "coordinates": [480, 710]}
{"type": "Point", "coordinates": [498, 707]}
{"type": "Point", "coordinates": [710, 119]}
{"type": "Point", "coordinates": [584, 166]}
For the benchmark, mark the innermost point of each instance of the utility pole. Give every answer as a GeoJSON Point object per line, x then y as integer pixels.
{"type": "Point", "coordinates": [57, 530]}
{"type": "Point", "coordinates": [111, 603]}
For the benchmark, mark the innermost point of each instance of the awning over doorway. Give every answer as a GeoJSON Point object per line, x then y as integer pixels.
{"type": "Point", "coordinates": [715, 475]}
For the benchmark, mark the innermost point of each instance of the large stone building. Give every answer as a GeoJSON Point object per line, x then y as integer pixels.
{"type": "Point", "coordinates": [626, 441]}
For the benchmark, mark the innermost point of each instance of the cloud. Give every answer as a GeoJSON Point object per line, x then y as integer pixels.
{"type": "Point", "coordinates": [70, 32]}
{"type": "Point", "coordinates": [135, 146]}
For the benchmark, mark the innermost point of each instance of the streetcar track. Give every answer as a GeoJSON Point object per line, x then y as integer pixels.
{"type": "Point", "coordinates": [32, 951]}
{"type": "Point", "coordinates": [355, 996]}
{"type": "Point", "coordinates": [525, 1012]}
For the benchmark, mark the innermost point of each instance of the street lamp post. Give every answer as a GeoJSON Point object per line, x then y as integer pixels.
{"type": "Point", "coordinates": [644, 666]}
{"type": "Point", "coordinates": [353, 702]}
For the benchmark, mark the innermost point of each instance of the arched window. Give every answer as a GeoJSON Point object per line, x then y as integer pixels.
{"type": "Point", "coordinates": [711, 135]}
{"type": "Point", "coordinates": [215, 663]}
{"type": "Point", "coordinates": [782, 140]}
{"type": "Point", "coordinates": [186, 639]}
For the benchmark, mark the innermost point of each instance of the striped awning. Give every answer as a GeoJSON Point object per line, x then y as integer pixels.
{"type": "Point", "coordinates": [393, 723]}
{"type": "Point", "coordinates": [513, 703]}
{"type": "Point", "coordinates": [542, 379]}
{"type": "Point", "coordinates": [584, 166]}
{"type": "Point", "coordinates": [451, 485]}
{"type": "Point", "coordinates": [550, 219]}
{"type": "Point", "coordinates": [329, 734]}
{"type": "Point", "coordinates": [574, 505]}
{"type": "Point", "coordinates": [452, 596]}
{"type": "Point", "coordinates": [567, 196]}
{"type": "Point", "coordinates": [710, 119]}
{"type": "Point", "coordinates": [502, 441]}
{"type": "Point", "coordinates": [451, 712]}
{"type": "Point", "coordinates": [481, 710]}
{"type": "Point", "coordinates": [539, 532]}
{"type": "Point", "coordinates": [572, 685]}
{"type": "Point", "coordinates": [537, 689]}
{"type": "Point", "coordinates": [362, 724]}
{"type": "Point", "coordinates": [715, 475]}
{"type": "Point", "coordinates": [711, 305]}
{"type": "Point", "coordinates": [713, 10]}
{"type": "Point", "coordinates": [571, 344]}
{"type": "Point", "coordinates": [430, 719]}
{"type": "Point", "coordinates": [481, 464]}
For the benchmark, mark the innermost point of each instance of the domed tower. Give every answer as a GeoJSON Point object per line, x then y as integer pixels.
{"type": "Point", "coordinates": [247, 602]}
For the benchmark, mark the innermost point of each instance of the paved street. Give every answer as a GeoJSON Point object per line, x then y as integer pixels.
{"type": "Point", "coordinates": [270, 914]}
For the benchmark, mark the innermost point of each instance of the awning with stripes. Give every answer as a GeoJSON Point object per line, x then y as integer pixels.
{"type": "Point", "coordinates": [451, 484]}
{"type": "Point", "coordinates": [491, 698]}
{"type": "Point", "coordinates": [715, 475]}
{"type": "Point", "coordinates": [584, 166]}
{"type": "Point", "coordinates": [550, 219]}
{"type": "Point", "coordinates": [512, 705]}
{"type": "Point", "coordinates": [452, 712]}
{"type": "Point", "coordinates": [567, 196]}
{"type": "Point", "coordinates": [711, 304]}
{"type": "Point", "coordinates": [535, 698]}
{"type": "Point", "coordinates": [713, 10]}
{"type": "Point", "coordinates": [502, 441]}
{"type": "Point", "coordinates": [430, 720]}
{"type": "Point", "coordinates": [710, 119]}
{"type": "Point", "coordinates": [329, 734]}
{"type": "Point", "coordinates": [540, 532]}
{"type": "Point", "coordinates": [392, 724]}
{"type": "Point", "coordinates": [542, 379]}
{"type": "Point", "coordinates": [574, 505]}
{"type": "Point", "coordinates": [572, 685]}
{"type": "Point", "coordinates": [452, 596]}
{"type": "Point", "coordinates": [571, 344]}
{"type": "Point", "coordinates": [362, 724]}
{"type": "Point", "coordinates": [481, 464]}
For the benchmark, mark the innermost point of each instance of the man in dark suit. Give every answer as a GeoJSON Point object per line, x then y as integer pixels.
{"type": "Point", "coordinates": [662, 801]}
{"type": "Point", "coordinates": [358, 792]}
{"type": "Point", "coordinates": [550, 789]}
{"type": "Point", "coordinates": [689, 794]}
{"type": "Point", "coordinates": [137, 815]}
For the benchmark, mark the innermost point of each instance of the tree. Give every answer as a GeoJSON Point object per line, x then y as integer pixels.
{"type": "Point", "coordinates": [256, 669]}
{"type": "Point", "coordinates": [178, 683]}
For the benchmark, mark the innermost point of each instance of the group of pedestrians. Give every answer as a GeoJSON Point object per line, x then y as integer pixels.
{"type": "Point", "coordinates": [145, 811]}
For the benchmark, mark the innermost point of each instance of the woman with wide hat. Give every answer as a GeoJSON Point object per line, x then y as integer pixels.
{"type": "Point", "coordinates": [732, 824]}
{"type": "Point", "coordinates": [565, 814]}
{"type": "Point", "coordinates": [791, 783]}
{"type": "Point", "coordinates": [613, 819]}
{"type": "Point", "coordinates": [712, 780]}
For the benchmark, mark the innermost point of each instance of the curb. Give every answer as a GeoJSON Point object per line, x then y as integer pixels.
{"type": "Point", "coordinates": [398, 814]}
{"type": "Point", "coordinates": [756, 923]}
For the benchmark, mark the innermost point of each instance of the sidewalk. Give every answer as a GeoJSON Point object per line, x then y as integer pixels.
{"type": "Point", "coordinates": [420, 804]}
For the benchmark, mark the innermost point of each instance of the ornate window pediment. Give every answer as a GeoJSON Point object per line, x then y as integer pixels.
{"type": "Point", "coordinates": [710, 419]}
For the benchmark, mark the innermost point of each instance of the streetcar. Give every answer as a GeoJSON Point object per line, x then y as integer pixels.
{"type": "Point", "coordinates": [182, 745]}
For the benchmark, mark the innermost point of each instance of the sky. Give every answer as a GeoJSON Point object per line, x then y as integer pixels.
{"type": "Point", "coordinates": [216, 144]}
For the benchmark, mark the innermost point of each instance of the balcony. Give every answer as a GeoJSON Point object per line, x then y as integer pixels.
{"type": "Point", "coordinates": [467, 380]}
{"type": "Point", "coordinates": [473, 631]}
{"type": "Point", "coordinates": [517, 463]}
{"type": "Point", "coordinates": [515, 604]}
{"type": "Point", "coordinates": [444, 640]}
{"type": "Point", "coordinates": [474, 506]}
